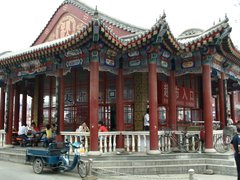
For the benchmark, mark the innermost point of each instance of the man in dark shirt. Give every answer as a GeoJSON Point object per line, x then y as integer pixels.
{"type": "Point", "coordinates": [235, 145]}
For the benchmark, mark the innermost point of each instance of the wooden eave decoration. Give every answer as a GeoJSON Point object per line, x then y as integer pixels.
{"type": "Point", "coordinates": [106, 34]}
{"type": "Point", "coordinates": [89, 29]}
{"type": "Point", "coordinates": [149, 36]}
{"type": "Point", "coordinates": [81, 36]}
{"type": "Point", "coordinates": [155, 32]}
{"type": "Point", "coordinates": [210, 39]}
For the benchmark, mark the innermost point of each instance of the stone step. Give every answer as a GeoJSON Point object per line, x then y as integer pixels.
{"type": "Point", "coordinates": [149, 170]}
{"type": "Point", "coordinates": [156, 162]}
{"type": "Point", "coordinates": [152, 162]}
{"type": "Point", "coordinates": [140, 163]}
{"type": "Point", "coordinates": [223, 169]}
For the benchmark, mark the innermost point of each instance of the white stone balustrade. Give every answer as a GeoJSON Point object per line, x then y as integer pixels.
{"type": "Point", "coordinates": [134, 141]}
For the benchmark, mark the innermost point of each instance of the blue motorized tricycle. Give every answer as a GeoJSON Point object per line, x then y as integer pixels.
{"type": "Point", "coordinates": [56, 157]}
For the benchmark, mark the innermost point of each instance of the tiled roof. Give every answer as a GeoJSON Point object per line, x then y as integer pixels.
{"type": "Point", "coordinates": [192, 41]}
{"type": "Point", "coordinates": [105, 18]}
{"type": "Point", "coordinates": [46, 48]}
{"type": "Point", "coordinates": [116, 22]}
{"type": "Point", "coordinates": [60, 44]}
{"type": "Point", "coordinates": [189, 41]}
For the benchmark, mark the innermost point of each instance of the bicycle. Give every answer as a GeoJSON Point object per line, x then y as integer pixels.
{"type": "Point", "coordinates": [222, 143]}
{"type": "Point", "coordinates": [184, 143]}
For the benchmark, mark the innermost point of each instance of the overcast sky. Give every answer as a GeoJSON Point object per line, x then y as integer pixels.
{"type": "Point", "coordinates": [23, 20]}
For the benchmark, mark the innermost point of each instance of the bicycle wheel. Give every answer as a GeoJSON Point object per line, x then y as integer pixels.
{"type": "Point", "coordinates": [222, 144]}
{"type": "Point", "coordinates": [191, 143]}
{"type": "Point", "coordinates": [83, 169]}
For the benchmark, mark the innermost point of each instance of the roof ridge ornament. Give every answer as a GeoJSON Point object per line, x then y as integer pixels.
{"type": "Point", "coordinates": [164, 15]}
{"type": "Point", "coordinates": [95, 14]}
{"type": "Point", "coordinates": [226, 17]}
{"type": "Point", "coordinates": [96, 26]}
{"type": "Point", "coordinates": [225, 33]}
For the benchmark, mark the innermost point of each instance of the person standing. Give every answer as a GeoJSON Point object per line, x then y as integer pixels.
{"type": "Point", "coordinates": [229, 120]}
{"type": "Point", "coordinates": [146, 121]}
{"type": "Point", "coordinates": [235, 146]}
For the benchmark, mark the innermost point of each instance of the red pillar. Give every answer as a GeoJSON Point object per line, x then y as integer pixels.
{"type": "Point", "coordinates": [207, 108]}
{"type": "Point", "coordinates": [152, 82]}
{"type": "Point", "coordinates": [10, 113]}
{"type": "Point", "coordinates": [232, 106]}
{"type": "Point", "coordinates": [2, 107]}
{"type": "Point", "coordinates": [172, 113]}
{"type": "Point", "coordinates": [120, 108]}
{"type": "Point", "coordinates": [60, 112]}
{"type": "Point", "coordinates": [24, 107]}
{"type": "Point", "coordinates": [16, 109]}
{"type": "Point", "coordinates": [93, 102]}
{"type": "Point", "coordinates": [221, 101]}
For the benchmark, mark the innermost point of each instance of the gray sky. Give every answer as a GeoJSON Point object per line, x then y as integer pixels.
{"type": "Point", "coordinates": [23, 20]}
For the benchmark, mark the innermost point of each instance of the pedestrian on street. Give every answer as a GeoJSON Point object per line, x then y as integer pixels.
{"type": "Point", "coordinates": [235, 146]}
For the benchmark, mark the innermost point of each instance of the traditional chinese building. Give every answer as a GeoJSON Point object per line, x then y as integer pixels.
{"type": "Point", "coordinates": [87, 66]}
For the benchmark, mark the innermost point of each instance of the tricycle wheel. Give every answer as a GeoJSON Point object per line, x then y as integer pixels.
{"type": "Point", "coordinates": [82, 169]}
{"type": "Point", "coordinates": [38, 166]}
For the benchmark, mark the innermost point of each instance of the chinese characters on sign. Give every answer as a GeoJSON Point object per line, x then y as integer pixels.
{"type": "Point", "coordinates": [184, 96]}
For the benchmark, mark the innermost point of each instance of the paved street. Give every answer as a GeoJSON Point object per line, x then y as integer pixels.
{"type": "Point", "coordinates": [13, 171]}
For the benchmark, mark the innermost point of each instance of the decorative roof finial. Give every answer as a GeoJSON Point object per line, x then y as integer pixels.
{"type": "Point", "coordinates": [214, 23]}
{"type": "Point", "coordinates": [226, 16]}
{"type": "Point", "coordinates": [164, 14]}
{"type": "Point", "coordinates": [95, 13]}
{"type": "Point", "coordinates": [219, 20]}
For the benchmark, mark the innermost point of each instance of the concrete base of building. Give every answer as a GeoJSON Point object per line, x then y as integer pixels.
{"type": "Point", "coordinates": [153, 152]}
{"type": "Point", "coordinates": [210, 150]}
{"type": "Point", "coordinates": [120, 149]}
{"type": "Point", "coordinates": [94, 153]}
{"type": "Point", "coordinates": [7, 146]}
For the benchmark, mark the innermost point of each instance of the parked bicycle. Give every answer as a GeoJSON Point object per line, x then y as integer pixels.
{"type": "Point", "coordinates": [222, 143]}
{"type": "Point", "coordinates": [184, 142]}
{"type": "Point", "coordinates": [56, 157]}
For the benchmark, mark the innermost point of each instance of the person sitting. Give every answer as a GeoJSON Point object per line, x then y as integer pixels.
{"type": "Point", "coordinates": [83, 128]}
{"type": "Point", "coordinates": [54, 130]}
{"type": "Point", "coordinates": [34, 128]}
{"type": "Point", "coordinates": [22, 133]}
{"type": "Point", "coordinates": [49, 135]}
{"type": "Point", "coordinates": [35, 133]}
{"type": "Point", "coordinates": [102, 127]}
